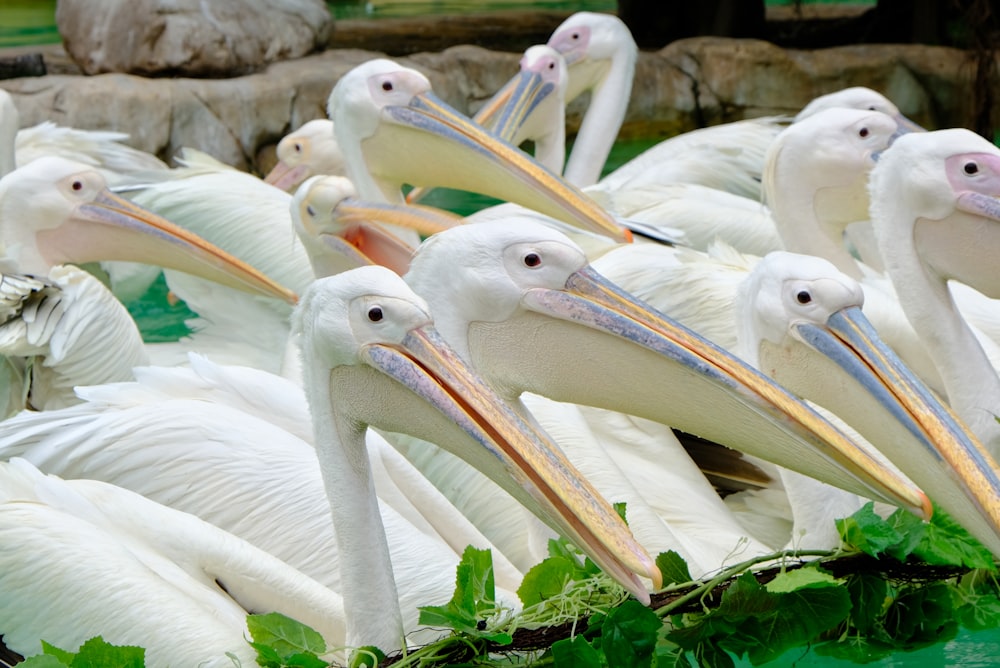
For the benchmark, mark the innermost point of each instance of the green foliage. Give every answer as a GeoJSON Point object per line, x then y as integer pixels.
{"type": "Point", "coordinates": [281, 641]}
{"type": "Point", "coordinates": [94, 653]}
{"type": "Point", "coordinates": [898, 584]}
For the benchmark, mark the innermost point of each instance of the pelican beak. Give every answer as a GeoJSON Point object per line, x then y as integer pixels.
{"type": "Point", "coordinates": [286, 177]}
{"type": "Point", "coordinates": [903, 126]}
{"type": "Point", "coordinates": [357, 231]}
{"type": "Point", "coordinates": [970, 488]}
{"type": "Point", "coordinates": [112, 228]}
{"type": "Point", "coordinates": [650, 366]}
{"type": "Point", "coordinates": [504, 113]}
{"type": "Point", "coordinates": [512, 452]}
{"type": "Point", "coordinates": [473, 159]}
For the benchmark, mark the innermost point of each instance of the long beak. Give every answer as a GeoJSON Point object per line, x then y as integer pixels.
{"type": "Point", "coordinates": [650, 366]}
{"type": "Point", "coordinates": [467, 157]}
{"type": "Point", "coordinates": [510, 451]}
{"type": "Point", "coordinates": [504, 113]}
{"type": "Point", "coordinates": [969, 489]}
{"type": "Point", "coordinates": [285, 176]}
{"type": "Point", "coordinates": [360, 237]}
{"type": "Point", "coordinates": [112, 228]}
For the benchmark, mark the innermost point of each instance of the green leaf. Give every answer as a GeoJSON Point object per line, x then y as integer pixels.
{"type": "Point", "coordinates": [979, 612]}
{"type": "Point", "coordinates": [96, 653]}
{"type": "Point", "coordinates": [710, 655]}
{"type": "Point", "coordinates": [942, 541]}
{"type": "Point", "coordinates": [546, 579]}
{"type": "Point", "coordinates": [869, 599]}
{"type": "Point", "coordinates": [628, 635]}
{"type": "Point", "coordinates": [42, 661]}
{"type": "Point", "coordinates": [856, 649]}
{"type": "Point", "coordinates": [867, 532]}
{"type": "Point", "coordinates": [797, 578]}
{"type": "Point", "coordinates": [474, 597]}
{"type": "Point", "coordinates": [575, 652]}
{"type": "Point", "coordinates": [922, 616]}
{"type": "Point", "coordinates": [277, 637]}
{"type": "Point", "coordinates": [61, 654]}
{"type": "Point", "coordinates": [673, 567]}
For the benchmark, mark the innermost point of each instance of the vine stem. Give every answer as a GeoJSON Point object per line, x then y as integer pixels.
{"type": "Point", "coordinates": [703, 587]}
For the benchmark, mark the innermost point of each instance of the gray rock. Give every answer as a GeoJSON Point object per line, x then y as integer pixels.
{"type": "Point", "coordinates": [688, 84]}
{"type": "Point", "coordinates": [197, 38]}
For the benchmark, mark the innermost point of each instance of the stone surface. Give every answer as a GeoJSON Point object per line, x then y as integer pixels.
{"type": "Point", "coordinates": [688, 84]}
{"type": "Point", "coordinates": [198, 38]}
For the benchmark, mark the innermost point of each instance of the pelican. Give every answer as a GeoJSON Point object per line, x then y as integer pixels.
{"type": "Point", "coordinates": [83, 558]}
{"type": "Point", "coordinates": [54, 212]}
{"type": "Point", "coordinates": [309, 151]}
{"type": "Point", "coordinates": [801, 323]}
{"type": "Point", "coordinates": [105, 151]}
{"type": "Point", "coordinates": [227, 444]}
{"type": "Point", "coordinates": [252, 462]}
{"type": "Point", "coordinates": [496, 289]}
{"type": "Point", "coordinates": [934, 210]}
{"type": "Point", "coordinates": [388, 121]}
{"type": "Point", "coordinates": [371, 356]}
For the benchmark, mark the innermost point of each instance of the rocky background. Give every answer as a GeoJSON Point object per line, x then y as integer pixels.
{"type": "Point", "coordinates": [280, 67]}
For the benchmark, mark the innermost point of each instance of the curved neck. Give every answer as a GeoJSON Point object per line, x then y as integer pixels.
{"type": "Point", "coordinates": [601, 123]}
{"type": "Point", "coordinates": [972, 384]}
{"type": "Point", "coordinates": [368, 586]}
{"type": "Point", "coordinates": [801, 230]}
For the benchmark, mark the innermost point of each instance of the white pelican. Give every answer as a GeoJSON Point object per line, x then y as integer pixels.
{"type": "Point", "coordinates": [83, 558]}
{"type": "Point", "coordinates": [52, 212]}
{"type": "Point", "coordinates": [388, 122]}
{"type": "Point", "coordinates": [229, 445]}
{"type": "Point", "coordinates": [801, 323]}
{"type": "Point", "coordinates": [102, 150]}
{"type": "Point", "coordinates": [309, 151]}
{"type": "Point", "coordinates": [60, 331]}
{"type": "Point", "coordinates": [934, 207]}
{"type": "Point", "coordinates": [512, 296]}
{"type": "Point", "coordinates": [371, 356]}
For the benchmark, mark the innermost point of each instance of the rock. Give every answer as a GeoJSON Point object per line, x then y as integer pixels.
{"type": "Point", "coordinates": [195, 38]}
{"type": "Point", "coordinates": [688, 84]}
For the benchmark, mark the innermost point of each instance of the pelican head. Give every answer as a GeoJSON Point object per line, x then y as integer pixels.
{"type": "Point", "coordinates": [55, 211]}
{"type": "Point", "coordinates": [374, 351]}
{"type": "Point", "coordinates": [945, 187]}
{"type": "Point", "coordinates": [803, 322]}
{"type": "Point", "coordinates": [394, 130]}
{"type": "Point", "coordinates": [589, 41]}
{"type": "Point", "coordinates": [828, 156]}
{"type": "Point", "coordinates": [862, 99]}
{"type": "Point", "coordinates": [521, 303]}
{"type": "Point", "coordinates": [340, 231]}
{"type": "Point", "coordinates": [310, 150]}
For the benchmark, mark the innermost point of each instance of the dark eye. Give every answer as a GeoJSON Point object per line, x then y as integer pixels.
{"type": "Point", "coordinates": [297, 147]}
{"type": "Point", "coordinates": [310, 210]}
{"type": "Point", "coordinates": [576, 35]}
{"type": "Point", "coordinates": [971, 168]}
{"type": "Point", "coordinates": [872, 108]}
{"type": "Point", "coordinates": [386, 86]}
{"type": "Point", "coordinates": [552, 66]}
{"type": "Point", "coordinates": [803, 297]}
{"type": "Point", "coordinates": [77, 185]}
{"type": "Point", "coordinates": [375, 313]}
{"type": "Point", "coordinates": [863, 132]}
{"type": "Point", "coordinates": [532, 260]}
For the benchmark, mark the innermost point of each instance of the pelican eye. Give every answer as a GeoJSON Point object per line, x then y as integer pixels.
{"type": "Point", "coordinates": [375, 313]}
{"type": "Point", "coordinates": [77, 185]}
{"type": "Point", "coordinates": [298, 147]}
{"type": "Point", "coordinates": [552, 65]}
{"type": "Point", "coordinates": [803, 297]}
{"type": "Point", "coordinates": [532, 260]}
{"type": "Point", "coordinates": [970, 168]}
{"type": "Point", "coordinates": [387, 86]}
{"type": "Point", "coordinates": [863, 132]}
{"type": "Point", "coordinates": [310, 210]}
{"type": "Point", "coordinates": [576, 35]}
